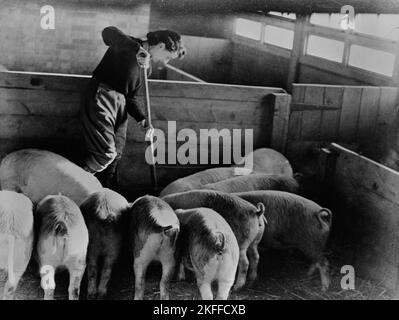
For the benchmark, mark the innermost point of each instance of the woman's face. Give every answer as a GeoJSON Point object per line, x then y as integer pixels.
{"type": "Point", "coordinates": [159, 54]}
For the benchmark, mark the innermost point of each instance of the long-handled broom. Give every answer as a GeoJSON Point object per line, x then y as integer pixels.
{"type": "Point", "coordinates": [149, 135]}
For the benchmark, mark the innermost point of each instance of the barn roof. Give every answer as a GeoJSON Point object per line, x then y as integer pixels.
{"type": "Point", "coordinates": [295, 6]}
{"type": "Point", "coordinates": [248, 6]}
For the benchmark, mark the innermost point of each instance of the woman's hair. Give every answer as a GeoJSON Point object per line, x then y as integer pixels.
{"type": "Point", "coordinates": [171, 39]}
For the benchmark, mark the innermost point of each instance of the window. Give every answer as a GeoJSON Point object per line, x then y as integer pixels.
{"type": "Point", "coordinates": [325, 48]}
{"type": "Point", "coordinates": [279, 37]}
{"type": "Point", "coordinates": [379, 25]}
{"type": "Point", "coordinates": [284, 15]}
{"type": "Point", "coordinates": [249, 29]}
{"type": "Point", "coordinates": [332, 20]}
{"type": "Point", "coordinates": [372, 60]}
{"type": "Point", "coordinates": [382, 25]}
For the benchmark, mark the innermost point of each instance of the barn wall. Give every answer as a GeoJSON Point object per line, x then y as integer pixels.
{"type": "Point", "coordinates": [315, 74]}
{"type": "Point", "coordinates": [257, 64]}
{"type": "Point", "coordinates": [207, 58]}
{"type": "Point", "coordinates": [41, 110]}
{"type": "Point", "coordinates": [358, 115]}
{"type": "Point", "coordinates": [193, 24]}
{"type": "Point", "coordinates": [74, 47]}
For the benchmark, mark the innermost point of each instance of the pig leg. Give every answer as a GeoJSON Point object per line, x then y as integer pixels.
{"type": "Point", "coordinates": [253, 256]}
{"type": "Point", "coordinates": [243, 264]}
{"type": "Point", "coordinates": [140, 268]}
{"type": "Point", "coordinates": [92, 276]}
{"type": "Point", "coordinates": [48, 294]}
{"type": "Point", "coordinates": [206, 276]}
{"type": "Point", "coordinates": [182, 274]}
{"type": "Point", "coordinates": [323, 266]}
{"type": "Point", "coordinates": [226, 274]}
{"type": "Point", "coordinates": [224, 287]}
{"type": "Point", "coordinates": [76, 270]}
{"type": "Point", "coordinates": [205, 289]}
{"type": "Point", "coordinates": [23, 250]}
{"type": "Point", "coordinates": [106, 275]}
{"type": "Point", "coordinates": [168, 266]}
{"type": "Point", "coordinates": [11, 286]}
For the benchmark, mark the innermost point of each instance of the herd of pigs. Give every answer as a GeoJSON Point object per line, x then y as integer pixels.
{"type": "Point", "coordinates": [209, 223]}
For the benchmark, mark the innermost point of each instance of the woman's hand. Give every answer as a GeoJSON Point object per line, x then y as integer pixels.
{"type": "Point", "coordinates": [143, 58]}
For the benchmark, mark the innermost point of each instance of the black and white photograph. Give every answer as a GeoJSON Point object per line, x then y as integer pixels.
{"type": "Point", "coordinates": [199, 150]}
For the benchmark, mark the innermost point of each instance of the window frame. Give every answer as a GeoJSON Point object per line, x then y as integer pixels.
{"type": "Point", "coordinates": [349, 37]}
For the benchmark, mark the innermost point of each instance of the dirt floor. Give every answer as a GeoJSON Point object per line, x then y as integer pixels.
{"type": "Point", "coordinates": [282, 276]}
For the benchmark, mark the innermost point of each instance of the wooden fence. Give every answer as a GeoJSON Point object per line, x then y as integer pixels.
{"type": "Point", "coordinates": [365, 197]}
{"type": "Point", "coordinates": [41, 110]}
{"type": "Point", "coordinates": [319, 114]}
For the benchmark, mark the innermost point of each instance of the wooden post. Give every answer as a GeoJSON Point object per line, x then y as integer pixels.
{"type": "Point", "coordinates": [281, 117]}
{"type": "Point", "coordinates": [297, 49]}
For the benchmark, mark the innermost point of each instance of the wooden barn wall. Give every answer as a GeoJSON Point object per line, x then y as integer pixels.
{"type": "Point", "coordinates": [254, 64]}
{"type": "Point", "coordinates": [315, 74]}
{"type": "Point", "coordinates": [41, 110]}
{"type": "Point", "coordinates": [365, 201]}
{"type": "Point", "coordinates": [207, 58]}
{"type": "Point", "coordinates": [347, 114]}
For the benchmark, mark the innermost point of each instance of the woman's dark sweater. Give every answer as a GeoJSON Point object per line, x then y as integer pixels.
{"type": "Point", "coordinates": [119, 68]}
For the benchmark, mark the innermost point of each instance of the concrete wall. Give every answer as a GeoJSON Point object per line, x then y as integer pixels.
{"type": "Point", "coordinates": [201, 25]}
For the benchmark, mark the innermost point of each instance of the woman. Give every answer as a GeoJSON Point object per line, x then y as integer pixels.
{"type": "Point", "coordinates": [113, 92]}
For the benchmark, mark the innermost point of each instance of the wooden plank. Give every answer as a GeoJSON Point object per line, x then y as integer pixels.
{"type": "Point", "coordinates": [295, 122]}
{"type": "Point", "coordinates": [297, 50]}
{"type": "Point", "coordinates": [350, 113]}
{"type": "Point", "coordinates": [311, 120]}
{"type": "Point", "coordinates": [312, 107]}
{"type": "Point", "coordinates": [373, 176]}
{"type": "Point", "coordinates": [387, 108]}
{"type": "Point", "coordinates": [330, 118]}
{"type": "Point", "coordinates": [157, 88]}
{"type": "Point", "coordinates": [372, 190]}
{"type": "Point", "coordinates": [368, 113]}
{"type": "Point", "coordinates": [280, 122]}
{"type": "Point", "coordinates": [61, 103]}
{"type": "Point", "coordinates": [35, 102]}
{"type": "Point", "coordinates": [43, 81]}
{"type": "Point", "coordinates": [67, 104]}
{"type": "Point", "coordinates": [389, 100]}
{"type": "Point", "coordinates": [29, 126]}
{"type": "Point", "coordinates": [207, 110]}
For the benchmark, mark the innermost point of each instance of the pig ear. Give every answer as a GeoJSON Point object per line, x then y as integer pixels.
{"type": "Point", "coordinates": [324, 216]}
{"type": "Point", "coordinates": [261, 208]}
